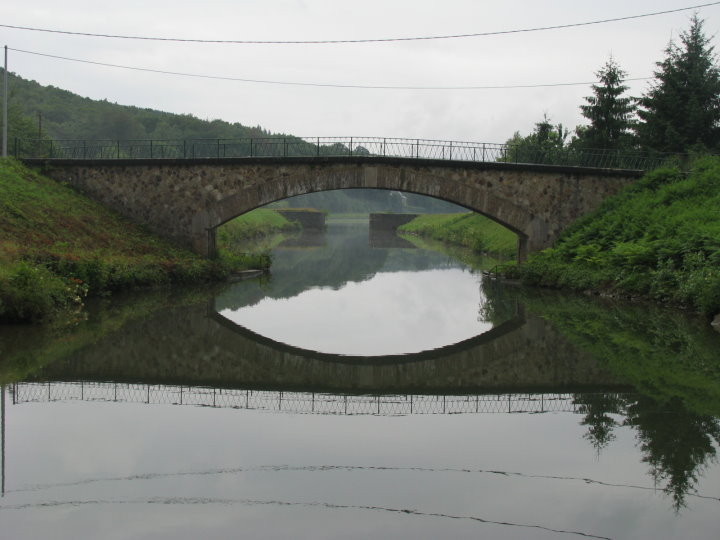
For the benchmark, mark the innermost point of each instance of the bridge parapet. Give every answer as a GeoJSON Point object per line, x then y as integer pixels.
{"type": "Point", "coordinates": [351, 147]}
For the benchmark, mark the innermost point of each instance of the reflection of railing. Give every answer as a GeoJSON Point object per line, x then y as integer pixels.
{"type": "Point", "coordinates": [279, 146]}
{"type": "Point", "coordinates": [291, 402]}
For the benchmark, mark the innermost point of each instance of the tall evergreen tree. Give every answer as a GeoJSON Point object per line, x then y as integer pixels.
{"type": "Point", "coordinates": [609, 112]}
{"type": "Point", "coordinates": [682, 108]}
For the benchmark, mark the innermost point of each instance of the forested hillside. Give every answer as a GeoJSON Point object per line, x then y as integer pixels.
{"type": "Point", "coordinates": [46, 111]}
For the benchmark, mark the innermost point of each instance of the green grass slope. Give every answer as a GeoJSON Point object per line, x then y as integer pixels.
{"type": "Point", "coordinates": [471, 230]}
{"type": "Point", "coordinates": [659, 238]}
{"type": "Point", "coordinates": [258, 223]}
{"type": "Point", "coordinates": [56, 246]}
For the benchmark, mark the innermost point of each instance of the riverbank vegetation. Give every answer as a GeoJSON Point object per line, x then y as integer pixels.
{"type": "Point", "coordinates": [256, 224]}
{"type": "Point", "coordinates": [659, 238]}
{"type": "Point", "coordinates": [470, 230]}
{"type": "Point", "coordinates": [58, 246]}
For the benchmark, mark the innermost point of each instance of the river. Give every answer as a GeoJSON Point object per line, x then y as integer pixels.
{"type": "Point", "coordinates": [370, 387]}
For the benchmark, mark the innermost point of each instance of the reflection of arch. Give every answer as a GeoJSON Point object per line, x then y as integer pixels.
{"type": "Point", "coordinates": [189, 346]}
{"type": "Point", "coordinates": [442, 352]}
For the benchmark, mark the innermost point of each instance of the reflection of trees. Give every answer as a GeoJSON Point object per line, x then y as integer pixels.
{"type": "Point", "coordinates": [500, 304]}
{"type": "Point", "coordinates": [678, 444]}
{"type": "Point", "coordinates": [668, 357]}
{"type": "Point", "coordinates": [346, 256]}
{"type": "Point", "coordinates": [597, 408]}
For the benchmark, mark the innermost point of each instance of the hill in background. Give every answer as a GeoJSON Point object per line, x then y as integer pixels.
{"type": "Point", "coordinates": [52, 112]}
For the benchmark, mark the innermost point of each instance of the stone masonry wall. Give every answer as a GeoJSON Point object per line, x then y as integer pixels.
{"type": "Point", "coordinates": [185, 200]}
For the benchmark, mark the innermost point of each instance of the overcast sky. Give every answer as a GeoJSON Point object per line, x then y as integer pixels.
{"type": "Point", "coordinates": [491, 115]}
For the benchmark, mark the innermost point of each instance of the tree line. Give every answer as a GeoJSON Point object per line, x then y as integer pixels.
{"type": "Point", "coordinates": [679, 113]}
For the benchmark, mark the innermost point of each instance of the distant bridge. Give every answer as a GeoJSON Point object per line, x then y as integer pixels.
{"type": "Point", "coordinates": [184, 190]}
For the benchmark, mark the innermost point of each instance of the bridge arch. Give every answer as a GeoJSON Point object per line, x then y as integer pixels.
{"type": "Point", "coordinates": [474, 198]}
{"type": "Point", "coordinates": [185, 200]}
{"type": "Point", "coordinates": [477, 194]}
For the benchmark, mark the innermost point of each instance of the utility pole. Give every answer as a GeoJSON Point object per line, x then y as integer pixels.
{"type": "Point", "coordinates": [5, 107]}
{"type": "Point", "coordinates": [2, 445]}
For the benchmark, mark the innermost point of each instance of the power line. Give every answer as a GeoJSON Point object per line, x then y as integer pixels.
{"type": "Point", "coordinates": [356, 41]}
{"type": "Point", "coordinates": [324, 85]}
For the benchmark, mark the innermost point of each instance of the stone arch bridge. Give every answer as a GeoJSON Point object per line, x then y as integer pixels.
{"type": "Point", "coordinates": [185, 200]}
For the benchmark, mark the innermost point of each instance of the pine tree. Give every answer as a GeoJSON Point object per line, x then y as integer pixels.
{"type": "Point", "coordinates": [610, 114]}
{"type": "Point", "coordinates": [682, 109]}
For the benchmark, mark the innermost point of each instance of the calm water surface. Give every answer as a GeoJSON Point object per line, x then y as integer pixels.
{"type": "Point", "coordinates": [363, 391]}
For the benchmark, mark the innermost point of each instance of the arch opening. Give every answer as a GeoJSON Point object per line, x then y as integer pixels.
{"type": "Point", "coordinates": [365, 201]}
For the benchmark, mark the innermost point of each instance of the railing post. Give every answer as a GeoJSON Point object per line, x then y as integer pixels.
{"type": "Point", "coordinates": [350, 147]}
{"type": "Point", "coordinates": [483, 153]}
{"type": "Point", "coordinates": [118, 149]}
{"type": "Point", "coordinates": [318, 146]}
{"type": "Point", "coordinates": [417, 149]}
{"type": "Point", "coordinates": [151, 148]}
{"type": "Point", "coordinates": [383, 147]}
{"type": "Point", "coordinates": [285, 147]}
{"type": "Point", "coordinates": [184, 149]}
{"type": "Point", "coordinates": [51, 149]}
{"type": "Point", "coordinates": [450, 150]}
{"type": "Point", "coordinates": [218, 148]}
{"type": "Point", "coordinates": [251, 147]}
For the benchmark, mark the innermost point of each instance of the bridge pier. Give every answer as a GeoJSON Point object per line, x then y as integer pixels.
{"type": "Point", "coordinates": [210, 250]}
{"type": "Point", "coordinates": [522, 251]}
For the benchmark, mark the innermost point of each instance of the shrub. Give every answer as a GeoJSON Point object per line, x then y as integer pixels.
{"type": "Point", "coordinates": [31, 293]}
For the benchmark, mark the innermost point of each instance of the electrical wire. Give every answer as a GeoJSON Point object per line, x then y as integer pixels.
{"type": "Point", "coordinates": [358, 41]}
{"type": "Point", "coordinates": [324, 85]}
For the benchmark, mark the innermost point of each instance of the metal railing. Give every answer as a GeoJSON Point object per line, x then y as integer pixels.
{"type": "Point", "coordinates": [293, 402]}
{"type": "Point", "coordinates": [286, 147]}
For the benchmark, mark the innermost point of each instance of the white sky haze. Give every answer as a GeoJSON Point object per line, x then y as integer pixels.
{"type": "Point", "coordinates": [490, 115]}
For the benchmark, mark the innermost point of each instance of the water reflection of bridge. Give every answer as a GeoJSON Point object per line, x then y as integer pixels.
{"type": "Point", "coordinates": [193, 346]}
{"type": "Point", "coordinates": [292, 402]}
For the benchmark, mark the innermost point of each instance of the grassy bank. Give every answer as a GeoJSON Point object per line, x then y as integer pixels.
{"type": "Point", "coordinates": [57, 246]}
{"type": "Point", "coordinates": [659, 239]}
{"type": "Point", "coordinates": [473, 259]}
{"type": "Point", "coordinates": [471, 230]}
{"type": "Point", "coordinates": [256, 224]}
